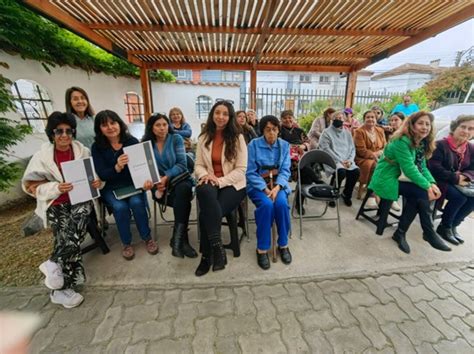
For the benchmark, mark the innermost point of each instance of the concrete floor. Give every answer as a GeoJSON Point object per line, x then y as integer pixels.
{"type": "Point", "coordinates": [320, 254]}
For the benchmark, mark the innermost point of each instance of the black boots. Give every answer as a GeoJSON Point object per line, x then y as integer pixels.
{"type": "Point", "coordinates": [409, 212]}
{"type": "Point", "coordinates": [447, 234]}
{"type": "Point", "coordinates": [457, 236]}
{"type": "Point", "coordinates": [219, 258]}
{"type": "Point", "coordinates": [203, 267]}
{"type": "Point", "coordinates": [426, 221]}
{"type": "Point", "coordinates": [400, 238]}
{"type": "Point", "coordinates": [179, 243]}
{"type": "Point", "coordinates": [187, 249]}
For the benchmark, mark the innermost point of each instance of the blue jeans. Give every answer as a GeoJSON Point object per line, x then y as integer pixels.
{"type": "Point", "coordinates": [268, 211]}
{"type": "Point", "coordinates": [121, 210]}
{"type": "Point", "coordinates": [458, 207]}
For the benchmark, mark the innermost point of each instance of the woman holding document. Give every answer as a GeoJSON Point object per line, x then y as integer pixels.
{"type": "Point", "coordinates": [221, 162]}
{"type": "Point", "coordinates": [43, 179]}
{"type": "Point", "coordinates": [111, 166]}
{"type": "Point", "coordinates": [176, 183]}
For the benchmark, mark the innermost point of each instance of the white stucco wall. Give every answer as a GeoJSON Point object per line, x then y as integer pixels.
{"type": "Point", "coordinates": [105, 92]}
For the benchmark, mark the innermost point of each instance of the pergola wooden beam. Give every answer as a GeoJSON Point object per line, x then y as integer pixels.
{"type": "Point", "coordinates": [45, 8]}
{"type": "Point", "coordinates": [245, 66]}
{"type": "Point", "coordinates": [348, 55]}
{"type": "Point", "coordinates": [451, 21]}
{"type": "Point", "coordinates": [251, 30]}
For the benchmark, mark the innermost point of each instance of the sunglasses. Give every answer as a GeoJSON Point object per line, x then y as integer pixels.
{"type": "Point", "coordinates": [219, 100]}
{"type": "Point", "coordinates": [60, 132]}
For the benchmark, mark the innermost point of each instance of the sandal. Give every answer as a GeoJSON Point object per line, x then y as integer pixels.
{"type": "Point", "coordinates": [151, 246]}
{"type": "Point", "coordinates": [128, 253]}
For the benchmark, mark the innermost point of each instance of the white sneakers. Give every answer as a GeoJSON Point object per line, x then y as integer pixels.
{"type": "Point", "coordinates": [68, 298]}
{"type": "Point", "coordinates": [371, 203]}
{"type": "Point", "coordinates": [54, 275]}
{"type": "Point", "coordinates": [395, 206]}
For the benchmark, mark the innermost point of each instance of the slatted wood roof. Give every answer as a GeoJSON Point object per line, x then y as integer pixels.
{"type": "Point", "coordinates": [300, 35]}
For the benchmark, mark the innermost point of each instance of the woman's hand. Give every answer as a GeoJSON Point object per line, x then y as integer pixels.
{"type": "Point", "coordinates": [161, 186]}
{"type": "Point", "coordinates": [434, 192]}
{"type": "Point", "coordinates": [147, 185]}
{"type": "Point", "coordinates": [209, 179]}
{"type": "Point", "coordinates": [121, 162]}
{"type": "Point", "coordinates": [463, 180]}
{"type": "Point", "coordinates": [65, 187]}
{"type": "Point", "coordinates": [274, 192]}
{"type": "Point", "coordinates": [96, 183]}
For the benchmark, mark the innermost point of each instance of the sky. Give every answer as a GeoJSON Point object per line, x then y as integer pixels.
{"type": "Point", "coordinates": [444, 46]}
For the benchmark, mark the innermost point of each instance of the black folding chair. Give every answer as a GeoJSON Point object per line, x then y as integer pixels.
{"type": "Point", "coordinates": [317, 191]}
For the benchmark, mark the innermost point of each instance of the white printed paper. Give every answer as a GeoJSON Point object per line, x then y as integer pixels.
{"type": "Point", "coordinates": [81, 174]}
{"type": "Point", "coordinates": [142, 164]}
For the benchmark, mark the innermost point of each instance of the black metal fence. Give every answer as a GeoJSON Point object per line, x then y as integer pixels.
{"type": "Point", "coordinates": [273, 101]}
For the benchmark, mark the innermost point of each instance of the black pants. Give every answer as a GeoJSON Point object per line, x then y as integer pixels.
{"type": "Point", "coordinates": [214, 204]}
{"type": "Point", "coordinates": [416, 203]}
{"type": "Point", "coordinates": [352, 177]}
{"type": "Point", "coordinates": [180, 200]}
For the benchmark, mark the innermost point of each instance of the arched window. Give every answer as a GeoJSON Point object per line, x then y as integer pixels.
{"type": "Point", "coordinates": [203, 107]}
{"type": "Point", "coordinates": [133, 108]}
{"type": "Point", "coordinates": [32, 102]}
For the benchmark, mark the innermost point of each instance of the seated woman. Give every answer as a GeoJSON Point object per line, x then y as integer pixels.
{"type": "Point", "coordinates": [43, 179]}
{"type": "Point", "coordinates": [179, 125]}
{"type": "Point", "coordinates": [452, 164]}
{"type": "Point", "coordinates": [395, 122]}
{"type": "Point", "coordinates": [111, 136]}
{"type": "Point", "coordinates": [369, 142]}
{"type": "Point", "coordinates": [221, 161]}
{"type": "Point", "coordinates": [247, 130]}
{"type": "Point", "coordinates": [402, 171]}
{"type": "Point", "coordinates": [338, 143]}
{"type": "Point", "coordinates": [318, 126]}
{"type": "Point", "coordinates": [350, 122]}
{"type": "Point", "coordinates": [253, 121]}
{"type": "Point", "coordinates": [269, 153]}
{"type": "Point", "coordinates": [299, 144]}
{"type": "Point", "coordinates": [170, 157]}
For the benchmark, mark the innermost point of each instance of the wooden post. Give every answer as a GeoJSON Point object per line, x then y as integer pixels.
{"type": "Point", "coordinates": [350, 88]}
{"type": "Point", "coordinates": [253, 89]}
{"type": "Point", "coordinates": [146, 93]}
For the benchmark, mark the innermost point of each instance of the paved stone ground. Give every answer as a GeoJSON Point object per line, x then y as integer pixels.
{"type": "Point", "coordinates": [418, 312]}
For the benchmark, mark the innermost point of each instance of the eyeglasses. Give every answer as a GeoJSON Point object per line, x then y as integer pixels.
{"type": "Point", "coordinates": [60, 131]}
{"type": "Point", "coordinates": [219, 100]}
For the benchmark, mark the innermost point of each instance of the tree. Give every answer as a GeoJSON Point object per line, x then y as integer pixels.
{"type": "Point", "coordinates": [456, 79]}
{"type": "Point", "coordinates": [11, 133]}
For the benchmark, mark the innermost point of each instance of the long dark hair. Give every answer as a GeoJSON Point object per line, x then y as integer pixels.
{"type": "Point", "coordinates": [69, 109]}
{"type": "Point", "coordinates": [149, 135]}
{"type": "Point", "coordinates": [407, 130]}
{"type": "Point", "coordinates": [231, 131]}
{"type": "Point", "coordinates": [101, 118]}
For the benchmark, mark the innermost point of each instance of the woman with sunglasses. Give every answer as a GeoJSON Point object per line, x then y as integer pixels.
{"type": "Point", "coordinates": [221, 162]}
{"type": "Point", "coordinates": [43, 180]}
{"type": "Point", "coordinates": [111, 136]}
{"type": "Point", "coordinates": [176, 184]}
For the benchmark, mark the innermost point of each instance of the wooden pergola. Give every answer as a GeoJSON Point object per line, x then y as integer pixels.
{"type": "Point", "coordinates": [341, 36]}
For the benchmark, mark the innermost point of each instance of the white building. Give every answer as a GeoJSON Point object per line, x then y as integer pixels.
{"type": "Point", "coordinates": [407, 77]}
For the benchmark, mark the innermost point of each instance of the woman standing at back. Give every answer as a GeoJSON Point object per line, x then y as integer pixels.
{"type": "Point", "coordinates": [77, 103]}
{"type": "Point", "coordinates": [221, 162]}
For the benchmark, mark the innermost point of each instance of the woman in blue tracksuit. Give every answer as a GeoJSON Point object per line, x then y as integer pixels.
{"type": "Point", "coordinates": [269, 153]}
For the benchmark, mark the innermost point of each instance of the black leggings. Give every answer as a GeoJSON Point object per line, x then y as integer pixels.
{"type": "Point", "coordinates": [352, 177]}
{"type": "Point", "coordinates": [214, 204]}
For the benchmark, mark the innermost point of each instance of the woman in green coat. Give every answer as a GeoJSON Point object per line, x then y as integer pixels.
{"type": "Point", "coordinates": [402, 170]}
